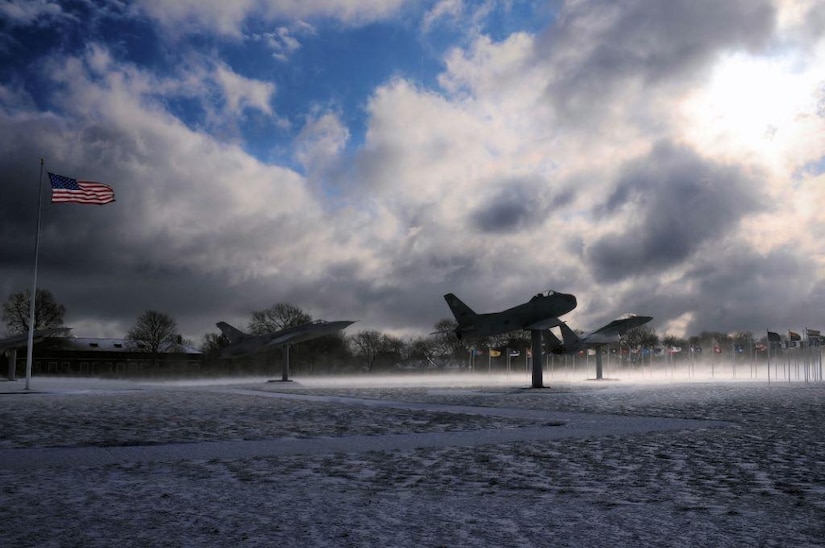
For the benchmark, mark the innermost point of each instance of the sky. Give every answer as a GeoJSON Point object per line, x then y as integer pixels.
{"type": "Point", "coordinates": [359, 159]}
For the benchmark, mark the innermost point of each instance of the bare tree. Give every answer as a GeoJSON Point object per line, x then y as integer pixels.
{"type": "Point", "coordinates": [446, 344]}
{"type": "Point", "coordinates": [47, 311]}
{"type": "Point", "coordinates": [369, 345]}
{"type": "Point", "coordinates": [674, 341]}
{"type": "Point", "coordinates": [213, 344]}
{"type": "Point", "coordinates": [742, 337]}
{"type": "Point", "coordinates": [642, 336]}
{"type": "Point", "coordinates": [419, 350]}
{"type": "Point", "coordinates": [153, 331]}
{"type": "Point", "coordinates": [276, 317]}
{"type": "Point", "coordinates": [393, 348]}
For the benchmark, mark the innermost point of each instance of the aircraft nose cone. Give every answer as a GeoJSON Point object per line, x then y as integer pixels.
{"type": "Point", "coordinates": [571, 301]}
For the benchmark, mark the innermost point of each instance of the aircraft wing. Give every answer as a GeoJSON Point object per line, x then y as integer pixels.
{"type": "Point", "coordinates": [18, 341]}
{"type": "Point", "coordinates": [287, 338]}
{"type": "Point", "coordinates": [610, 332]}
{"type": "Point", "coordinates": [308, 331]}
{"type": "Point", "coordinates": [14, 342]}
{"type": "Point", "coordinates": [541, 325]}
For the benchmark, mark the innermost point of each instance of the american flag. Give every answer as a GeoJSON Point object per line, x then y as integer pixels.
{"type": "Point", "coordinates": [68, 190]}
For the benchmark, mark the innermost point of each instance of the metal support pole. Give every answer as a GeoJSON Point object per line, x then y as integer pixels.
{"type": "Point", "coordinates": [285, 372]}
{"type": "Point", "coordinates": [12, 356]}
{"type": "Point", "coordinates": [535, 342]}
{"type": "Point", "coordinates": [598, 363]}
{"type": "Point", "coordinates": [29, 348]}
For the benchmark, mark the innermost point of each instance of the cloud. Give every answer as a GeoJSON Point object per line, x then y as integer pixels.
{"type": "Point", "coordinates": [575, 160]}
{"type": "Point", "coordinates": [241, 92]}
{"type": "Point", "coordinates": [221, 97]}
{"type": "Point", "coordinates": [605, 53]}
{"type": "Point", "coordinates": [285, 40]}
{"type": "Point", "coordinates": [665, 207]}
{"type": "Point", "coordinates": [27, 12]}
{"type": "Point", "coordinates": [517, 205]}
{"type": "Point", "coordinates": [445, 9]}
{"type": "Point", "coordinates": [228, 18]}
{"type": "Point", "coordinates": [193, 217]}
{"type": "Point", "coordinates": [802, 21]}
{"type": "Point", "coordinates": [320, 142]}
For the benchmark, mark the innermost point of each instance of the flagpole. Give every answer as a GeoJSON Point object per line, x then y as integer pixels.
{"type": "Point", "coordinates": [34, 282]}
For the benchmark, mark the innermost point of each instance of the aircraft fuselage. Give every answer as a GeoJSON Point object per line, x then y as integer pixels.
{"type": "Point", "coordinates": [242, 343]}
{"type": "Point", "coordinates": [540, 312]}
{"type": "Point", "coordinates": [610, 333]}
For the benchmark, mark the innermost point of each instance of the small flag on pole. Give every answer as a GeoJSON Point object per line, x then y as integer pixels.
{"type": "Point", "coordinates": [68, 190]}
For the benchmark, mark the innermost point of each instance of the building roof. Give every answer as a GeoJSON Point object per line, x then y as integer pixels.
{"type": "Point", "coordinates": [88, 344]}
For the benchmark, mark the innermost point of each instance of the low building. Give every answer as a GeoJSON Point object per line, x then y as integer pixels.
{"type": "Point", "coordinates": [109, 358]}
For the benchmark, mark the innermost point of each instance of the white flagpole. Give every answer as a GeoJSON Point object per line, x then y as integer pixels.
{"type": "Point", "coordinates": [34, 282]}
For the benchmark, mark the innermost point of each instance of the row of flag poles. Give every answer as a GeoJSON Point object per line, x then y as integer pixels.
{"type": "Point", "coordinates": [65, 190]}
{"type": "Point", "coordinates": [813, 339]}
{"type": "Point", "coordinates": [812, 336]}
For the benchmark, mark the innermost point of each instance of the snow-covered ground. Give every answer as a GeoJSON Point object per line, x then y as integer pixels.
{"type": "Point", "coordinates": [757, 478]}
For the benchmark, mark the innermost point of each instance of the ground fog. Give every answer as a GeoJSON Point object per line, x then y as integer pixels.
{"type": "Point", "coordinates": [757, 480]}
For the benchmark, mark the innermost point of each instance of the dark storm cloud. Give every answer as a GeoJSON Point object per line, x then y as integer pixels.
{"type": "Point", "coordinates": [735, 288]}
{"type": "Point", "coordinates": [598, 47]}
{"type": "Point", "coordinates": [518, 205]}
{"type": "Point", "coordinates": [675, 201]}
{"type": "Point", "coordinates": [744, 289]}
{"type": "Point", "coordinates": [106, 264]}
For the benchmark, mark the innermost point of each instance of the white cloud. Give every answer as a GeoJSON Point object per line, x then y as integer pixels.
{"type": "Point", "coordinates": [286, 40]}
{"type": "Point", "coordinates": [215, 208]}
{"type": "Point", "coordinates": [241, 92]}
{"type": "Point", "coordinates": [224, 95]}
{"type": "Point", "coordinates": [437, 161]}
{"type": "Point", "coordinates": [321, 141]}
{"type": "Point", "coordinates": [568, 160]}
{"type": "Point", "coordinates": [758, 110]}
{"type": "Point", "coordinates": [444, 9]}
{"type": "Point", "coordinates": [227, 18]}
{"type": "Point", "coordinates": [26, 12]}
{"type": "Point", "coordinates": [200, 16]}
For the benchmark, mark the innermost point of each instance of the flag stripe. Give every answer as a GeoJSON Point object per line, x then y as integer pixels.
{"type": "Point", "coordinates": [68, 190]}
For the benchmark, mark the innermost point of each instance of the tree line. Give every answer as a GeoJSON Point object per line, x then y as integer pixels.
{"type": "Point", "coordinates": [362, 351]}
{"type": "Point", "coordinates": [152, 332]}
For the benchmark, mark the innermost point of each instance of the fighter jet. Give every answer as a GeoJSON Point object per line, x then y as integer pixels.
{"type": "Point", "coordinates": [19, 341]}
{"type": "Point", "coordinates": [539, 313]}
{"type": "Point", "coordinates": [10, 345]}
{"type": "Point", "coordinates": [609, 333]}
{"type": "Point", "coordinates": [241, 343]}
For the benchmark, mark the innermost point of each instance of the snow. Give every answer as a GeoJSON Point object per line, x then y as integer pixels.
{"type": "Point", "coordinates": [426, 461]}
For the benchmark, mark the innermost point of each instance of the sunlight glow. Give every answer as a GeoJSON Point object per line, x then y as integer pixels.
{"type": "Point", "coordinates": [750, 108]}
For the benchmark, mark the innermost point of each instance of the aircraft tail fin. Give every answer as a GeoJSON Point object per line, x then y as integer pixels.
{"type": "Point", "coordinates": [552, 342]}
{"type": "Point", "coordinates": [571, 340]}
{"type": "Point", "coordinates": [234, 335]}
{"type": "Point", "coordinates": [463, 314]}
